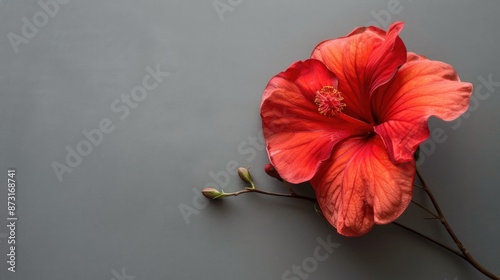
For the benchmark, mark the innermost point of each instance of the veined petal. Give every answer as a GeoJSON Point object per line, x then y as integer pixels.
{"type": "Point", "coordinates": [360, 186]}
{"type": "Point", "coordinates": [420, 89]}
{"type": "Point", "coordinates": [363, 61]}
{"type": "Point", "coordinates": [298, 137]}
{"type": "Point", "coordinates": [386, 58]}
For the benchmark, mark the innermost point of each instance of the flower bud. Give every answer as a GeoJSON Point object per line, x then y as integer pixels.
{"type": "Point", "coordinates": [212, 193]}
{"type": "Point", "coordinates": [245, 175]}
{"type": "Point", "coordinates": [271, 171]}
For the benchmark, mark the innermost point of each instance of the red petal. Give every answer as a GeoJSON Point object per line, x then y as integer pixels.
{"type": "Point", "coordinates": [306, 77]}
{"type": "Point", "coordinates": [298, 138]}
{"type": "Point", "coordinates": [363, 60]}
{"type": "Point", "coordinates": [385, 59]}
{"type": "Point", "coordinates": [420, 89]}
{"type": "Point", "coordinates": [360, 186]}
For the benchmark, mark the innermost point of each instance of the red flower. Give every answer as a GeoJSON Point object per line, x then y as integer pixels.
{"type": "Point", "coordinates": [350, 119]}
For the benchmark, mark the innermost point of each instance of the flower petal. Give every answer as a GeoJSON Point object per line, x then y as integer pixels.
{"type": "Point", "coordinates": [420, 89]}
{"type": "Point", "coordinates": [363, 60]}
{"type": "Point", "coordinates": [306, 77]}
{"type": "Point", "coordinates": [360, 186]}
{"type": "Point", "coordinates": [298, 138]}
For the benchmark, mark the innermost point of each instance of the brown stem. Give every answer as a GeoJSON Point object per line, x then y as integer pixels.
{"type": "Point", "coordinates": [442, 219]}
{"type": "Point", "coordinates": [431, 240]}
{"type": "Point", "coordinates": [425, 209]}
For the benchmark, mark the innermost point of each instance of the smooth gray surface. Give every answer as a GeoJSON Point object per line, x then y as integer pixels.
{"type": "Point", "coordinates": [117, 214]}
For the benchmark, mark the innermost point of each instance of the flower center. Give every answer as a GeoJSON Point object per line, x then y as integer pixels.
{"type": "Point", "coordinates": [329, 101]}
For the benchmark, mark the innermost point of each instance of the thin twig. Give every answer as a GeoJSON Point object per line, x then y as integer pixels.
{"type": "Point", "coordinates": [452, 234]}
{"type": "Point", "coordinates": [431, 240]}
{"type": "Point", "coordinates": [291, 195]}
{"type": "Point", "coordinates": [425, 209]}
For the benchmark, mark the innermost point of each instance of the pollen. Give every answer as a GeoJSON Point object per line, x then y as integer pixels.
{"type": "Point", "coordinates": [329, 101]}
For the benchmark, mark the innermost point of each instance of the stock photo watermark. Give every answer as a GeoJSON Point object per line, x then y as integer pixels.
{"type": "Point", "coordinates": [121, 107]}
{"type": "Point", "coordinates": [225, 6]}
{"type": "Point", "coordinates": [30, 28]}
{"type": "Point", "coordinates": [310, 264]}
{"type": "Point", "coordinates": [121, 276]}
{"type": "Point", "coordinates": [11, 219]}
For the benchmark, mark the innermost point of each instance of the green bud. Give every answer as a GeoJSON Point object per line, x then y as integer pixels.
{"type": "Point", "coordinates": [212, 193]}
{"type": "Point", "coordinates": [245, 175]}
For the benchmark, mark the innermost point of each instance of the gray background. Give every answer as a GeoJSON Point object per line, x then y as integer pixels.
{"type": "Point", "coordinates": [117, 215]}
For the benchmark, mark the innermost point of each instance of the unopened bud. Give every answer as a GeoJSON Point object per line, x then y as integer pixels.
{"type": "Point", "coordinates": [245, 175]}
{"type": "Point", "coordinates": [271, 171]}
{"type": "Point", "coordinates": [212, 193]}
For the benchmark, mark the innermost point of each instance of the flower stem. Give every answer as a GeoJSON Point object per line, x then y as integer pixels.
{"type": "Point", "coordinates": [466, 255]}
{"type": "Point", "coordinates": [256, 190]}
{"type": "Point", "coordinates": [458, 253]}
{"type": "Point", "coordinates": [425, 209]}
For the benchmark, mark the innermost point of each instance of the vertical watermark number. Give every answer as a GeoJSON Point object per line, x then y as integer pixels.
{"type": "Point", "coordinates": [11, 219]}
